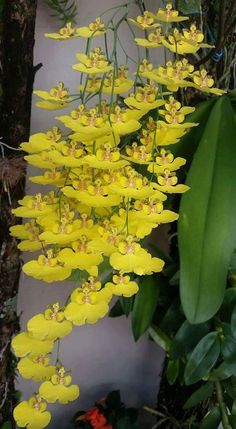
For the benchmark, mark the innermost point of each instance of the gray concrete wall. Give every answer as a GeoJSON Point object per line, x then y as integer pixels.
{"type": "Point", "coordinates": [104, 356]}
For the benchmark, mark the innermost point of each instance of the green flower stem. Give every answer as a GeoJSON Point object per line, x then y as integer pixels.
{"type": "Point", "coordinates": [223, 408]}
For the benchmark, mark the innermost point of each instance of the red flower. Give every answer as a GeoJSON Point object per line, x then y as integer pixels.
{"type": "Point", "coordinates": [97, 420]}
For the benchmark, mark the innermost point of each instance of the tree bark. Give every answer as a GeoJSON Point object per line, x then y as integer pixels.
{"type": "Point", "coordinates": [17, 76]}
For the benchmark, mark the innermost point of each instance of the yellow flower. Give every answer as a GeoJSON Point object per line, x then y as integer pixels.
{"type": "Point", "coordinates": [154, 40]}
{"type": "Point", "coordinates": [122, 286]}
{"type": "Point", "coordinates": [132, 258]}
{"type": "Point", "coordinates": [32, 414]}
{"type": "Point", "coordinates": [167, 182]}
{"type": "Point", "coordinates": [36, 369]}
{"type": "Point", "coordinates": [25, 345]}
{"type": "Point", "coordinates": [50, 325]}
{"type": "Point", "coordinates": [59, 388]}
{"type": "Point", "coordinates": [138, 154]}
{"type": "Point", "coordinates": [121, 123]}
{"type": "Point", "coordinates": [29, 234]}
{"type": "Point", "coordinates": [96, 28]}
{"type": "Point", "coordinates": [93, 63]}
{"type": "Point", "coordinates": [108, 239]}
{"type": "Point", "coordinates": [203, 82]}
{"type": "Point", "coordinates": [67, 32]}
{"type": "Point", "coordinates": [33, 206]}
{"type": "Point", "coordinates": [47, 268]}
{"type": "Point", "coordinates": [56, 98]}
{"type": "Point", "coordinates": [40, 160]}
{"type": "Point", "coordinates": [178, 44]}
{"type": "Point", "coordinates": [166, 161]}
{"type": "Point", "coordinates": [81, 257]}
{"type": "Point", "coordinates": [53, 177]}
{"type": "Point", "coordinates": [168, 15]}
{"type": "Point", "coordinates": [88, 304]}
{"type": "Point", "coordinates": [62, 232]}
{"type": "Point", "coordinates": [42, 141]}
{"type": "Point", "coordinates": [106, 158]}
{"type": "Point", "coordinates": [145, 98]}
{"type": "Point", "coordinates": [96, 195]}
{"type": "Point", "coordinates": [145, 22]}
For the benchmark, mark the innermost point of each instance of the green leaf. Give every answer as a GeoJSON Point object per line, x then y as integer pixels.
{"type": "Point", "coordinates": [189, 6]}
{"type": "Point", "coordinates": [207, 227]}
{"type": "Point", "coordinates": [127, 304]}
{"type": "Point", "coordinates": [160, 338]}
{"type": "Point", "coordinates": [199, 395]}
{"type": "Point", "coordinates": [202, 359]}
{"type": "Point", "coordinates": [144, 305]}
{"type": "Point", "coordinates": [116, 310]}
{"type": "Point", "coordinates": [228, 305]}
{"type": "Point", "coordinates": [233, 322]}
{"type": "Point", "coordinates": [228, 349]}
{"type": "Point", "coordinates": [172, 371]}
{"type": "Point", "coordinates": [212, 419]}
{"type": "Point", "coordinates": [7, 425]}
{"type": "Point", "coordinates": [225, 370]}
{"type": "Point", "coordinates": [187, 338]}
{"type": "Point", "coordinates": [232, 420]}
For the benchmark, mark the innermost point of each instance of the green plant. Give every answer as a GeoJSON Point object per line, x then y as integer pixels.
{"type": "Point", "coordinates": [64, 10]}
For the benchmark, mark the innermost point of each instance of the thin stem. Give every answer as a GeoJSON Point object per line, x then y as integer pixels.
{"type": "Point", "coordinates": [223, 408]}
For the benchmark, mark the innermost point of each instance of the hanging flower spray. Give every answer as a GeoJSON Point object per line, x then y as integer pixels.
{"type": "Point", "coordinates": [108, 194]}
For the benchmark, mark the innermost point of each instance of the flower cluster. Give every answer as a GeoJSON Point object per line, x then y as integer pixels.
{"type": "Point", "coordinates": [110, 173]}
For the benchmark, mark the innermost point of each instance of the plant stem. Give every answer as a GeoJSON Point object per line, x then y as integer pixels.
{"type": "Point", "coordinates": [223, 408]}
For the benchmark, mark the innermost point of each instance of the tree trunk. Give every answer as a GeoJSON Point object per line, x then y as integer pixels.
{"type": "Point", "coordinates": [17, 75]}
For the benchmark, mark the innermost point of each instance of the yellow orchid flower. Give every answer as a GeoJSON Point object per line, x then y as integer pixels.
{"type": "Point", "coordinates": [204, 82]}
{"type": "Point", "coordinates": [47, 268]}
{"type": "Point", "coordinates": [96, 28]}
{"type": "Point", "coordinates": [87, 306]}
{"type": "Point", "coordinates": [168, 15]}
{"type": "Point", "coordinates": [55, 99]}
{"type": "Point", "coordinates": [40, 160]}
{"type": "Point", "coordinates": [107, 240]}
{"type": "Point", "coordinates": [138, 154]}
{"type": "Point", "coordinates": [81, 257]}
{"type": "Point", "coordinates": [96, 195]}
{"type": "Point", "coordinates": [25, 345]}
{"type": "Point", "coordinates": [32, 414]}
{"type": "Point", "coordinates": [67, 32]}
{"type": "Point", "coordinates": [49, 326]}
{"type": "Point", "coordinates": [145, 98]}
{"type": "Point", "coordinates": [132, 258]}
{"type": "Point", "coordinates": [154, 40]}
{"type": "Point", "coordinates": [34, 206]}
{"type": "Point", "coordinates": [94, 63]}
{"type": "Point", "coordinates": [42, 141]}
{"type": "Point", "coordinates": [53, 177]}
{"type": "Point", "coordinates": [62, 232]}
{"type": "Point", "coordinates": [59, 388]}
{"type": "Point", "coordinates": [167, 182]}
{"type": "Point", "coordinates": [178, 44]}
{"type": "Point", "coordinates": [121, 123]}
{"type": "Point", "coordinates": [36, 369]}
{"type": "Point", "coordinates": [122, 286]}
{"type": "Point", "coordinates": [144, 22]}
{"type": "Point", "coordinates": [165, 161]}
{"type": "Point", "coordinates": [89, 127]}
{"type": "Point", "coordinates": [106, 158]}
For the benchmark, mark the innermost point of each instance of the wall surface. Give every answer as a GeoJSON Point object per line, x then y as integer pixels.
{"type": "Point", "coordinates": [104, 356]}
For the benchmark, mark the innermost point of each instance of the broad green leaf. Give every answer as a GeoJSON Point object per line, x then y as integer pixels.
{"type": "Point", "coordinates": [224, 371]}
{"type": "Point", "coordinates": [6, 425]}
{"type": "Point", "coordinates": [187, 338]}
{"type": "Point", "coordinates": [202, 358]}
{"type": "Point", "coordinates": [212, 419]}
{"type": "Point", "coordinates": [159, 337]}
{"type": "Point", "coordinates": [126, 304]}
{"type": "Point", "coordinates": [232, 421]}
{"type": "Point", "coordinates": [204, 392]}
{"type": "Point", "coordinates": [233, 321]}
{"type": "Point", "coordinates": [207, 227]}
{"type": "Point", "coordinates": [228, 304]}
{"type": "Point", "coordinates": [189, 6]}
{"type": "Point", "coordinates": [144, 305]}
{"type": "Point", "coordinates": [228, 349]}
{"type": "Point", "coordinates": [116, 310]}
{"type": "Point", "coordinates": [172, 371]}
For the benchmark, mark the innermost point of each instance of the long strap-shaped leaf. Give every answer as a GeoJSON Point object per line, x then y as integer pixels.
{"type": "Point", "coordinates": [207, 225]}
